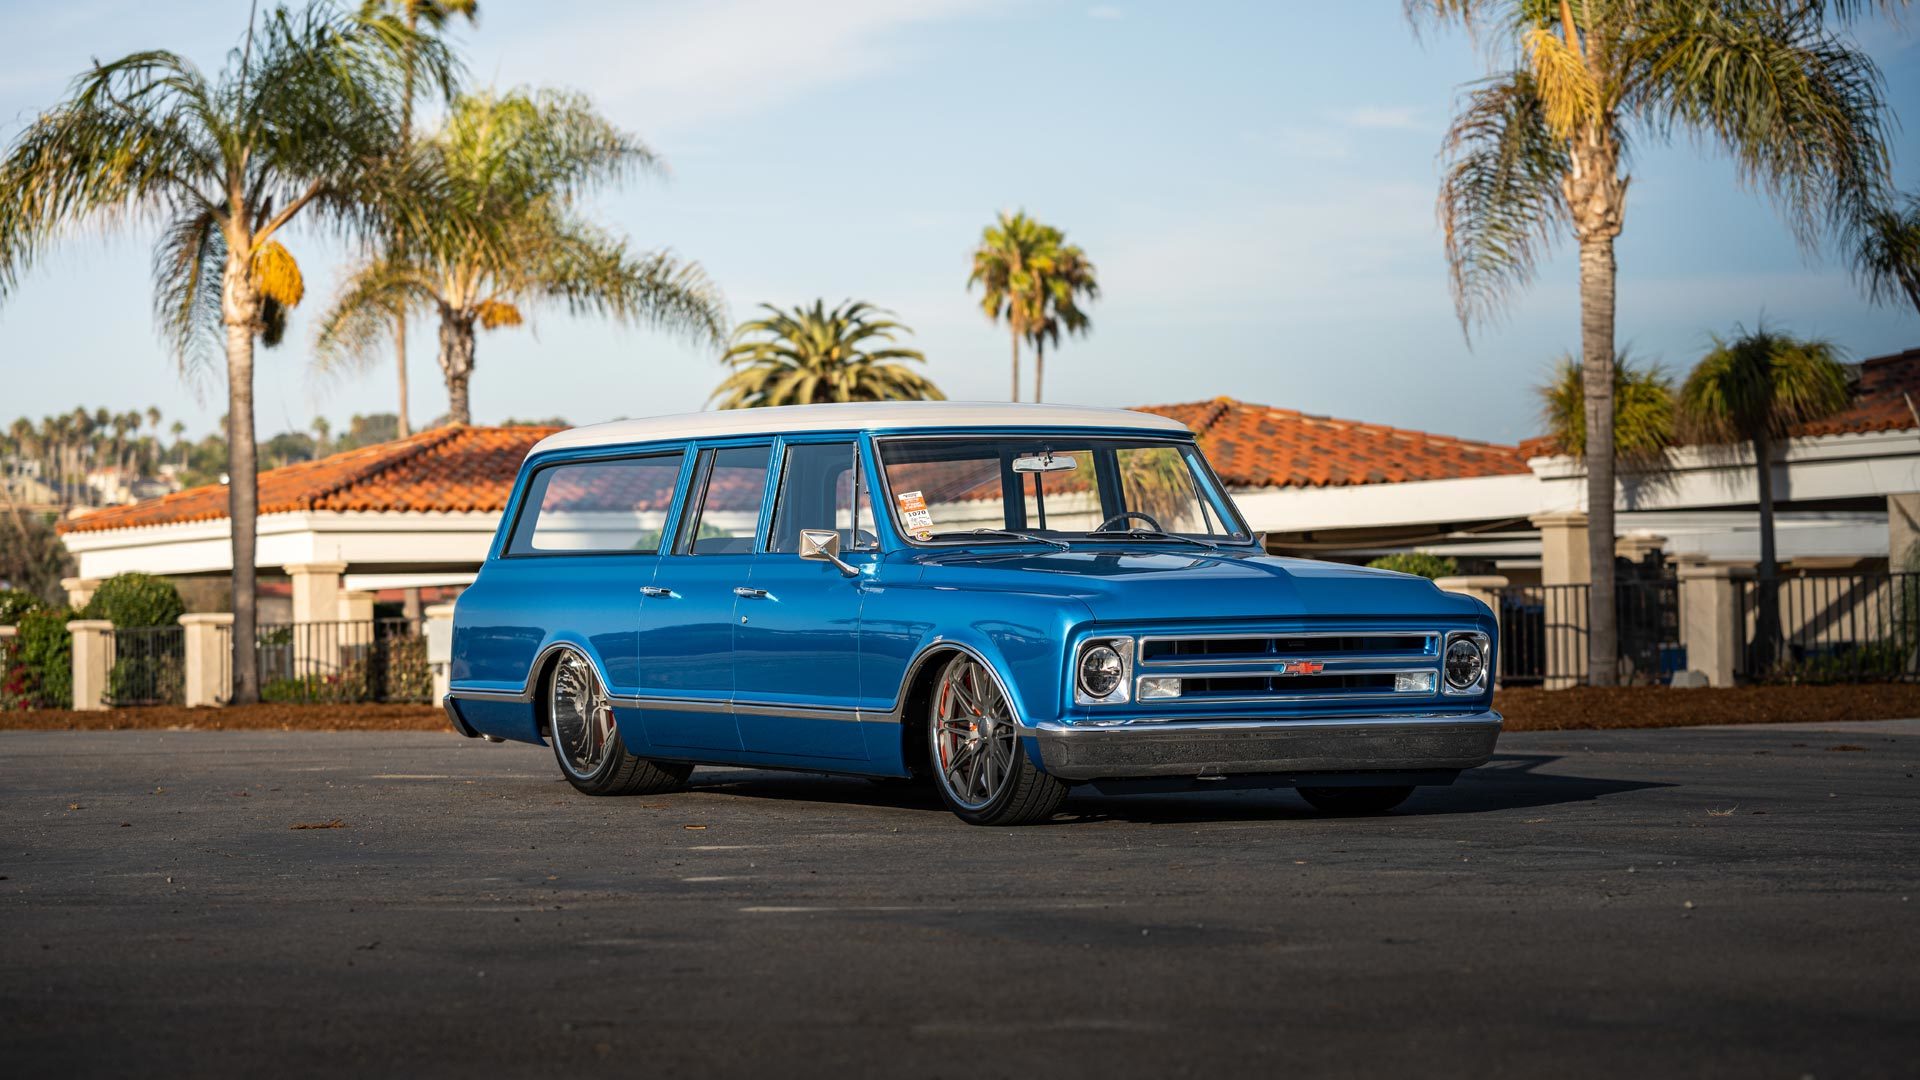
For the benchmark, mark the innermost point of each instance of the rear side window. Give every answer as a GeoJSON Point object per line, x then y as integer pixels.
{"type": "Point", "coordinates": [597, 506]}
{"type": "Point", "coordinates": [728, 517]}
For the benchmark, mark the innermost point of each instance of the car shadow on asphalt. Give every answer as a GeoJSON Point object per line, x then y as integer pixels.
{"type": "Point", "coordinates": [1507, 782]}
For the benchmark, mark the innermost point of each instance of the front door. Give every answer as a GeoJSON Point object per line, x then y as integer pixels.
{"type": "Point", "coordinates": [796, 641]}
{"type": "Point", "coordinates": [686, 640]}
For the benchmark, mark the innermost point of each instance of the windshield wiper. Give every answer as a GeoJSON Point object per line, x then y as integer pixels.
{"type": "Point", "coordinates": [1011, 535]}
{"type": "Point", "coordinates": [1155, 534]}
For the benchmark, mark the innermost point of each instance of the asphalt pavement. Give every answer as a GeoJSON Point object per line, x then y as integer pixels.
{"type": "Point", "coordinates": [1738, 902]}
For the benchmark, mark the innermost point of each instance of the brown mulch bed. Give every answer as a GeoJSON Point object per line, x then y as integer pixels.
{"type": "Point", "coordinates": [1525, 710]}
{"type": "Point", "coordinates": [265, 717]}
{"type": "Point", "coordinates": [1586, 708]}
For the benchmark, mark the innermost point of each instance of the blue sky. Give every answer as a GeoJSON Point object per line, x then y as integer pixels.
{"type": "Point", "coordinates": [1255, 183]}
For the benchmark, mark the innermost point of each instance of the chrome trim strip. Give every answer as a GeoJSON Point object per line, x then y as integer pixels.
{"type": "Point", "coordinates": [695, 705]}
{"type": "Point", "coordinates": [512, 696]}
{"type": "Point", "coordinates": [1425, 669]}
{"type": "Point", "coordinates": [1276, 659]}
{"type": "Point", "coordinates": [1286, 699]}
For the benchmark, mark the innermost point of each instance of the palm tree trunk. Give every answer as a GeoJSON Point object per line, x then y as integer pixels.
{"type": "Point", "coordinates": [400, 366]}
{"type": "Point", "coordinates": [1596, 374]}
{"type": "Point", "coordinates": [1039, 368]}
{"type": "Point", "coordinates": [456, 363]}
{"type": "Point", "coordinates": [1016, 367]}
{"type": "Point", "coordinates": [1766, 634]}
{"type": "Point", "coordinates": [239, 308]}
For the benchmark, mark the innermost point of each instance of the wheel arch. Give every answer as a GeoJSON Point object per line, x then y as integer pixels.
{"type": "Point", "coordinates": [916, 695]}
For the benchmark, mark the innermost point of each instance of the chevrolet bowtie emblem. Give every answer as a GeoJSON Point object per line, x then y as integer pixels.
{"type": "Point", "coordinates": [1302, 667]}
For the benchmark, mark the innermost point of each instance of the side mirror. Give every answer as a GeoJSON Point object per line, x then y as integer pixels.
{"type": "Point", "coordinates": [823, 545]}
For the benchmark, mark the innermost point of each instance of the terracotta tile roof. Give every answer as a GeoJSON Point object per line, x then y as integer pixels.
{"type": "Point", "coordinates": [447, 469]}
{"type": "Point", "coordinates": [1256, 446]}
{"type": "Point", "coordinates": [1881, 403]}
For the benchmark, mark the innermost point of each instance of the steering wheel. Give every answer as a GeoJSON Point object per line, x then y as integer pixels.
{"type": "Point", "coordinates": [1120, 519]}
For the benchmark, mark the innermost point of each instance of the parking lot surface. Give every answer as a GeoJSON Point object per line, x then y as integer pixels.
{"type": "Point", "coordinates": [1732, 902]}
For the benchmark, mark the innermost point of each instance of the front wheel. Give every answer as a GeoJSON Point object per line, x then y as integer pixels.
{"type": "Point", "coordinates": [973, 742]}
{"type": "Point", "coordinates": [1355, 801]}
{"type": "Point", "coordinates": [587, 743]}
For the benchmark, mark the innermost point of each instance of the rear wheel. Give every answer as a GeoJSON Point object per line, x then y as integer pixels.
{"type": "Point", "coordinates": [974, 748]}
{"type": "Point", "coordinates": [587, 743]}
{"type": "Point", "coordinates": [1355, 801]}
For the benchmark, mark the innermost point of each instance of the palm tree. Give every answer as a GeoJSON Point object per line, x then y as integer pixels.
{"type": "Point", "coordinates": [1003, 267]}
{"type": "Point", "coordinates": [291, 128]}
{"type": "Point", "coordinates": [1643, 411]}
{"type": "Point", "coordinates": [436, 14]}
{"type": "Point", "coordinates": [1063, 276]}
{"type": "Point", "coordinates": [1754, 389]}
{"type": "Point", "coordinates": [489, 229]}
{"type": "Point", "coordinates": [1539, 150]}
{"type": "Point", "coordinates": [1889, 259]}
{"type": "Point", "coordinates": [812, 355]}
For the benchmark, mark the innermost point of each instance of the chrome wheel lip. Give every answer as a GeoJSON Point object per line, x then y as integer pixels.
{"type": "Point", "coordinates": [580, 717]}
{"type": "Point", "coordinates": [975, 738]}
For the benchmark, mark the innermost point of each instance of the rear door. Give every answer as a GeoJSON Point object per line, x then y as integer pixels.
{"type": "Point", "coordinates": [686, 637]}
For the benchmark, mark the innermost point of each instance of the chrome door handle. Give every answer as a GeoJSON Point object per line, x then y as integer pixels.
{"type": "Point", "coordinates": [655, 590]}
{"type": "Point", "coordinates": [749, 593]}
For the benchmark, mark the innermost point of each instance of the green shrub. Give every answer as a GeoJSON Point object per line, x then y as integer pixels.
{"type": "Point", "coordinates": [136, 600]}
{"type": "Point", "coordinates": [1416, 562]}
{"type": "Point", "coordinates": [45, 655]}
{"type": "Point", "coordinates": [15, 603]}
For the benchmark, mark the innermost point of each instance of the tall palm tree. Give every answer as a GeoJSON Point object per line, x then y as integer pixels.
{"type": "Point", "coordinates": [1003, 266]}
{"type": "Point", "coordinates": [1539, 150]}
{"type": "Point", "coordinates": [1063, 277]}
{"type": "Point", "coordinates": [292, 127]}
{"type": "Point", "coordinates": [811, 355]}
{"type": "Point", "coordinates": [435, 15]}
{"type": "Point", "coordinates": [489, 229]}
{"type": "Point", "coordinates": [1643, 411]}
{"type": "Point", "coordinates": [1754, 389]}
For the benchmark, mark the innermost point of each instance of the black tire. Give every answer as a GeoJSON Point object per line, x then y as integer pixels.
{"type": "Point", "coordinates": [614, 771]}
{"type": "Point", "coordinates": [1355, 801]}
{"type": "Point", "coordinates": [1021, 794]}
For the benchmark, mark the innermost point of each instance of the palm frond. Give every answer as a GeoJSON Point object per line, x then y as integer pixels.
{"type": "Point", "coordinates": [188, 262]}
{"type": "Point", "coordinates": [812, 354]}
{"type": "Point", "coordinates": [1887, 259]}
{"type": "Point", "coordinates": [360, 320]}
{"type": "Point", "coordinates": [1762, 383]}
{"type": "Point", "coordinates": [1501, 203]}
{"type": "Point", "coordinates": [1643, 411]}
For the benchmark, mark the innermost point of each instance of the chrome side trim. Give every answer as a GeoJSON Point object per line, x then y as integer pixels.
{"type": "Point", "coordinates": [692, 705]}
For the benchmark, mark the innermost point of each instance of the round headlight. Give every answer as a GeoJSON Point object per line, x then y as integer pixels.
{"type": "Point", "coordinates": [1100, 671]}
{"type": "Point", "coordinates": [1466, 663]}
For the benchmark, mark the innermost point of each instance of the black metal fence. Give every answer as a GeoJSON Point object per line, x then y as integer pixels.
{"type": "Point", "coordinates": [149, 666]}
{"type": "Point", "coordinates": [1832, 627]}
{"type": "Point", "coordinates": [1544, 633]}
{"type": "Point", "coordinates": [377, 660]}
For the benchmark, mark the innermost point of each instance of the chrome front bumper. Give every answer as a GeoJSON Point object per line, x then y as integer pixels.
{"type": "Point", "coordinates": [1114, 750]}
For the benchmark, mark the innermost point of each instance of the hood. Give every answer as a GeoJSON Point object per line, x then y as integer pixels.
{"type": "Point", "coordinates": [1171, 583]}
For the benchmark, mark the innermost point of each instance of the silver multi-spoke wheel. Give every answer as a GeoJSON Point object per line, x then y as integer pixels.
{"type": "Point", "coordinates": [587, 742]}
{"type": "Point", "coordinates": [582, 717]}
{"type": "Point", "coordinates": [974, 738]}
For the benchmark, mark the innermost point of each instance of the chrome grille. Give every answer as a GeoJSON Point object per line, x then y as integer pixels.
{"type": "Point", "coordinates": [1317, 666]}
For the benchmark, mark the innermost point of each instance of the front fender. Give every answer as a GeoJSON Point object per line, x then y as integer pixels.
{"type": "Point", "coordinates": [1020, 636]}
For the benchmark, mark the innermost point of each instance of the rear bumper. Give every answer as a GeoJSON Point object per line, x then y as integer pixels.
{"type": "Point", "coordinates": [1229, 747]}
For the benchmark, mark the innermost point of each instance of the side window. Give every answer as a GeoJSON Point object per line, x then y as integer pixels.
{"type": "Point", "coordinates": [728, 517]}
{"type": "Point", "coordinates": [816, 492]}
{"type": "Point", "coordinates": [597, 506]}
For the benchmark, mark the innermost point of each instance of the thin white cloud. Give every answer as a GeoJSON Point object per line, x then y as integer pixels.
{"type": "Point", "coordinates": [667, 67]}
{"type": "Point", "coordinates": [1105, 11]}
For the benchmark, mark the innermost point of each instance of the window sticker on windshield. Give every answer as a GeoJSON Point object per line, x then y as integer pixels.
{"type": "Point", "coordinates": [914, 517]}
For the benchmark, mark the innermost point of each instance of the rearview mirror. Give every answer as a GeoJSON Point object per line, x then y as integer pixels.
{"type": "Point", "coordinates": [1047, 462]}
{"type": "Point", "coordinates": [823, 545]}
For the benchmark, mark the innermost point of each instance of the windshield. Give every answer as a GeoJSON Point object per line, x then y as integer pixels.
{"type": "Point", "coordinates": [1059, 488]}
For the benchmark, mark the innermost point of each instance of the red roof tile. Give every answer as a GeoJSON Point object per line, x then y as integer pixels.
{"type": "Point", "coordinates": [444, 470]}
{"type": "Point", "coordinates": [1888, 395]}
{"type": "Point", "coordinates": [1254, 446]}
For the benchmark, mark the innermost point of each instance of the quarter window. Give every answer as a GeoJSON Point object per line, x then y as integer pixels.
{"type": "Point", "coordinates": [729, 502]}
{"type": "Point", "coordinates": [597, 506]}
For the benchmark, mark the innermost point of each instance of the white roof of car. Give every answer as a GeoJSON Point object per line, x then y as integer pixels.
{"type": "Point", "coordinates": [856, 416]}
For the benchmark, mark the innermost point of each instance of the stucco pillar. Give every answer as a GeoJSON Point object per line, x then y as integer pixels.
{"type": "Point", "coordinates": [79, 590]}
{"type": "Point", "coordinates": [1564, 562]}
{"type": "Point", "coordinates": [92, 662]}
{"type": "Point", "coordinates": [1637, 547]}
{"type": "Point", "coordinates": [206, 641]}
{"type": "Point", "coordinates": [356, 607]}
{"type": "Point", "coordinates": [1710, 625]}
{"type": "Point", "coordinates": [1903, 530]}
{"type": "Point", "coordinates": [440, 648]}
{"type": "Point", "coordinates": [316, 590]}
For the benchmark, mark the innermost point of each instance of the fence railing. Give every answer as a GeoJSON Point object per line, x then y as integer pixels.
{"type": "Point", "coordinates": [149, 666]}
{"type": "Point", "coordinates": [1832, 627]}
{"type": "Point", "coordinates": [377, 660]}
{"type": "Point", "coordinates": [1544, 632]}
